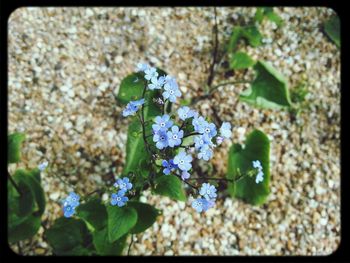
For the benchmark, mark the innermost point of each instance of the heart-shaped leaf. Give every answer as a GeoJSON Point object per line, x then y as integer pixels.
{"type": "Point", "coordinates": [94, 212]}
{"type": "Point", "coordinates": [171, 186]}
{"type": "Point", "coordinates": [257, 147]}
{"type": "Point", "coordinates": [268, 90]}
{"type": "Point", "coordinates": [332, 29]}
{"type": "Point", "coordinates": [146, 216]}
{"type": "Point", "coordinates": [241, 60]}
{"type": "Point", "coordinates": [120, 221]}
{"type": "Point", "coordinates": [106, 248]}
{"type": "Point", "coordinates": [14, 142]}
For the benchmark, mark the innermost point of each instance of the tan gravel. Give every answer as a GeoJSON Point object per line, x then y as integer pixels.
{"type": "Point", "coordinates": [65, 64]}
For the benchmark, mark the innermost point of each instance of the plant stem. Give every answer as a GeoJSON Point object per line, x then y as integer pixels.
{"type": "Point", "coordinates": [14, 183]}
{"type": "Point", "coordinates": [132, 240]}
{"type": "Point", "coordinates": [218, 179]}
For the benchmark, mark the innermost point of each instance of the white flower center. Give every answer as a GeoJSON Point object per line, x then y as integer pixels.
{"type": "Point", "coordinates": [171, 92]}
{"type": "Point", "coordinates": [207, 130]}
{"type": "Point", "coordinates": [182, 161]}
{"type": "Point", "coordinates": [118, 199]}
{"type": "Point", "coordinates": [175, 137]}
{"type": "Point", "coordinates": [208, 191]}
{"type": "Point", "coordinates": [162, 138]}
{"type": "Point", "coordinates": [185, 115]}
{"type": "Point", "coordinates": [122, 185]}
{"type": "Point", "coordinates": [162, 124]}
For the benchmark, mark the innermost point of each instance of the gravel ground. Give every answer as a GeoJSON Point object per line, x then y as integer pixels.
{"type": "Point", "coordinates": [65, 64]}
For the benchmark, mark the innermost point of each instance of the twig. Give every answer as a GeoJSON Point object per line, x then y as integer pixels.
{"type": "Point", "coordinates": [132, 240]}
{"type": "Point", "coordinates": [216, 44]}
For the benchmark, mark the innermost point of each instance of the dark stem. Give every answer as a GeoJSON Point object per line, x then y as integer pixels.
{"type": "Point", "coordinates": [218, 179]}
{"type": "Point", "coordinates": [215, 52]}
{"type": "Point", "coordinates": [19, 248]}
{"type": "Point", "coordinates": [14, 183]}
{"type": "Point", "coordinates": [132, 240]}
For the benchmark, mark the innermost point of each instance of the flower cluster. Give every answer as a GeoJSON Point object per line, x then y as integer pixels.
{"type": "Point", "coordinates": [260, 176]}
{"type": "Point", "coordinates": [119, 198]}
{"type": "Point", "coordinates": [168, 83]}
{"type": "Point", "coordinates": [206, 199]}
{"type": "Point", "coordinates": [70, 203]}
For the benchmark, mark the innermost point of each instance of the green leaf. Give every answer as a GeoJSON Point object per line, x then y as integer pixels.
{"type": "Point", "coordinates": [252, 35]}
{"type": "Point", "coordinates": [14, 141]}
{"type": "Point", "coordinates": [24, 227]}
{"type": "Point", "coordinates": [273, 17]}
{"type": "Point", "coordinates": [259, 15]}
{"type": "Point", "coordinates": [171, 186]}
{"type": "Point", "coordinates": [332, 29]}
{"type": "Point", "coordinates": [235, 36]}
{"type": "Point", "coordinates": [68, 236]}
{"type": "Point", "coordinates": [120, 221]}
{"type": "Point", "coordinates": [257, 147]}
{"type": "Point", "coordinates": [146, 216]}
{"type": "Point", "coordinates": [241, 60]}
{"type": "Point", "coordinates": [269, 14]}
{"type": "Point", "coordinates": [106, 248]}
{"type": "Point", "coordinates": [131, 88]}
{"type": "Point", "coordinates": [93, 212]}
{"type": "Point", "coordinates": [268, 90]}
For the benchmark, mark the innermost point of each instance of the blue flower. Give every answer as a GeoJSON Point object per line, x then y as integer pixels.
{"type": "Point", "coordinates": [68, 210]}
{"type": "Point", "coordinates": [43, 166]}
{"type": "Point", "coordinates": [72, 199]}
{"type": "Point", "coordinates": [169, 166]}
{"type": "Point", "coordinates": [259, 177]}
{"type": "Point", "coordinates": [201, 140]}
{"type": "Point", "coordinates": [219, 140]}
{"type": "Point", "coordinates": [200, 204]}
{"type": "Point", "coordinates": [183, 161]}
{"type": "Point", "coordinates": [208, 191]}
{"type": "Point", "coordinates": [174, 136]}
{"type": "Point", "coordinates": [161, 139]}
{"type": "Point", "coordinates": [142, 67]}
{"type": "Point", "coordinates": [225, 130]}
{"type": "Point", "coordinates": [205, 153]}
{"type": "Point", "coordinates": [70, 203]}
{"type": "Point", "coordinates": [257, 164]}
{"type": "Point", "coordinates": [119, 199]}
{"type": "Point", "coordinates": [185, 113]}
{"type": "Point", "coordinates": [123, 184]}
{"type": "Point", "coordinates": [185, 175]}
{"type": "Point", "coordinates": [133, 107]}
{"type": "Point", "coordinates": [156, 83]}
{"type": "Point", "coordinates": [198, 123]}
{"type": "Point", "coordinates": [150, 73]}
{"type": "Point", "coordinates": [209, 129]}
{"type": "Point", "coordinates": [162, 123]}
{"type": "Point", "coordinates": [171, 90]}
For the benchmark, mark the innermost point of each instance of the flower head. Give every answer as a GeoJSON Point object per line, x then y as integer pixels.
{"type": "Point", "coordinates": [156, 83]}
{"type": "Point", "coordinates": [201, 140]}
{"type": "Point", "coordinates": [175, 136]}
{"type": "Point", "coordinates": [142, 66]}
{"type": "Point", "coordinates": [225, 130]}
{"type": "Point", "coordinates": [185, 113]}
{"type": "Point", "coordinates": [259, 177]}
{"type": "Point", "coordinates": [208, 191]}
{"type": "Point", "coordinates": [68, 210]}
{"type": "Point", "coordinates": [209, 129]}
{"type": "Point", "coordinates": [200, 204]}
{"type": "Point", "coordinates": [162, 123]}
{"type": "Point", "coordinates": [123, 184]}
{"type": "Point", "coordinates": [185, 175]}
{"type": "Point", "coordinates": [169, 166]}
{"type": "Point", "coordinates": [150, 73]}
{"type": "Point", "coordinates": [198, 123]}
{"type": "Point", "coordinates": [161, 139]}
{"type": "Point", "coordinates": [43, 166]}
{"type": "Point", "coordinates": [257, 164]}
{"type": "Point", "coordinates": [171, 90]}
{"type": "Point", "coordinates": [205, 153]}
{"type": "Point", "coordinates": [119, 199]}
{"type": "Point", "coordinates": [132, 107]}
{"type": "Point", "coordinates": [70, 203]}
{"type": "Point", "coordinates": [183, 161]}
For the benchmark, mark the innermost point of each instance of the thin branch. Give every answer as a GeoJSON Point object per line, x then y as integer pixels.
{"type": "Point", "coordinates": [131, 242]}
{"type": "Point", "coordinates": [216, 44]}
